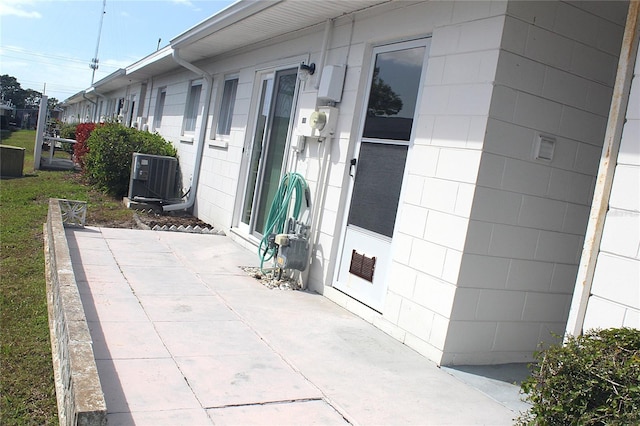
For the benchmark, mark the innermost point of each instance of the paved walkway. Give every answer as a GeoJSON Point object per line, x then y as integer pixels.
{"type": "Point", "coordinates": [182, 336]}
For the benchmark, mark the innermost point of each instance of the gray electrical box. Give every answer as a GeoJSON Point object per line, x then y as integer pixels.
{"type": "Point", "coordinates": [153, 177]}
{"type": "Point", "coordinates": [293, 252]}
{"type": "Point", "coordinates": [332, 83]}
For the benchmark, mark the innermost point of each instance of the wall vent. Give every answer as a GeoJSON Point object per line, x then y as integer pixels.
{"type": "Point", "coordinates": [362, 266]}
{"type": "Point", "coordinates": [544, 147]}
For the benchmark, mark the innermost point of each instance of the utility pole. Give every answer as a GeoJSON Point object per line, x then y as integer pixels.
{"type": "Point", "coordinates": [94, 61]}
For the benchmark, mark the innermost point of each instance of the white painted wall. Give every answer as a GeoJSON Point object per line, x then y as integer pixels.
{"type": "Point", "coordinates": [615, 298]}
{"type": "Point", "coordinates": [433, 218]}
{"type": "Point", "coordinates": [487, 239]}
{"type": "Point", "coordinates": [554, 76]}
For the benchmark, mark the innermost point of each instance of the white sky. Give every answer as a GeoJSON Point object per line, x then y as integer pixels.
{"type": "Point", "coordinates": [52, 42]}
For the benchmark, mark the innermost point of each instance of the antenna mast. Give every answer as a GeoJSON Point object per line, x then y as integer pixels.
{"type": "Point", "coordinates": [94, 60]}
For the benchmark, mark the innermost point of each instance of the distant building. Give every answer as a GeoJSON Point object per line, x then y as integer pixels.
{"type": "Point", "coordinates": [5, 115]}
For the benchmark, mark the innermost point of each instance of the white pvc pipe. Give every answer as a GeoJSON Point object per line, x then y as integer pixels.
{"type": "Point", "coordinates": [96, 115]}
{"type": "Point", "coordinates": [320, 192]}
{"type": "Point", "coordinates": [95, 104]}
{"type": "Point", "coordinates": [602, 192]}
{"type": "Point", "coordinates": [191, 198]}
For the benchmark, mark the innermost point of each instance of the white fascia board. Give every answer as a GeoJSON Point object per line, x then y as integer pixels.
{"type": "Point", "coordinates": [227, 16]}
{"type": "Point", "coordinates": [149, 59]}
{"type": "Point", "coordinates": [73, 99]}
{"type": "Point", "coordinates": [118, 73]}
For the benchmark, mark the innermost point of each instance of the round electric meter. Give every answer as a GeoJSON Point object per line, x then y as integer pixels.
{"type": "Point", "coordinates": [317, 120]}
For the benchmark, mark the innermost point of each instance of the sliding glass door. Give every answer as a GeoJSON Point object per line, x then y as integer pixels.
{"type": "Point", "coordinates": [266, 155]}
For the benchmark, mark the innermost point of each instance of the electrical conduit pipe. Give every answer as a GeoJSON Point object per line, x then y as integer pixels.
{"type": "Point", "coordinates": [191, 198]}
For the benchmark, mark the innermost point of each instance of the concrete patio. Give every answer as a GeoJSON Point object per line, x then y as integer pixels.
{"type": "Point", "coordinates": [183, 336]}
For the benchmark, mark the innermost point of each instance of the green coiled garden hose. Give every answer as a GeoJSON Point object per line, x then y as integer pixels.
{"type": "Point", "coordinates": [290, 185]}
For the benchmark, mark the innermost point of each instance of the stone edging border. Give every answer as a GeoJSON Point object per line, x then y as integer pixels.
{"type": "Point", "coordinates": [79, 392]}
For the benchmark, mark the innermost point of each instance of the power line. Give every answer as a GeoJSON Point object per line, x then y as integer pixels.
{"type": "Point", "coordinates": [48, 56]}
{"type": "Point", "coordinates": [49, 84]}
{"type": "Point", "coordinates": [53, 87]}
{"type": "Point", "coordinates": [66, 66]}
{"type": "Point", "coordinates": [52, 63]}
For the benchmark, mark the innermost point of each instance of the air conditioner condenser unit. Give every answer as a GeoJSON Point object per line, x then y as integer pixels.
{"type": "Point", "coordinates": [153, 178]}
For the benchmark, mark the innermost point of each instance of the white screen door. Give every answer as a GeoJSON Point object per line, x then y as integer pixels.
{"type": "Point", "coordinates": [378, 170]}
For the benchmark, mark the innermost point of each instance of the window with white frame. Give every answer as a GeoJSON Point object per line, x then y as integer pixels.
{"type": "Point", "coordinates": [110, 107]}
{"type": "Point", "coordinates": [191, 110]}
{"type": "Point", "coordinates": [157, 115]}
{"type": "Point", "coordinates": [120, 108]}
{"type": "Point", "coordinates": [226, 106]}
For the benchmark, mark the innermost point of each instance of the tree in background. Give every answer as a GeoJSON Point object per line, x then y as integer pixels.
{"type": "Point", "coordinates": [11, 91]}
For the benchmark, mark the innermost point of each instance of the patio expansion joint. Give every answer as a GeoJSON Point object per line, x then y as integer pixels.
{"type": "Point", "coordinates": [252, 404]}
{"type": "Point", "coordinates": [283, 402]}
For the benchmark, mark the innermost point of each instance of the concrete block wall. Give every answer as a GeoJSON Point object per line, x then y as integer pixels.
{"type": "Point", "coordinates": [615, 298]}
{"type": "Point", "coordinates": [219, 191]}
{"type": "Point", "coordinates": [442, 167]}
{"type": "Point", "coordinates": [222, 158]}
{"type": "Point", "coordinates": [554, 77]}
{"type": "Point", "coordinates": [79, 392]}
{"type": "Point", "coordinates": [487, 239]}
{"type": "Point", "coordinates": [178, 85]}
{"type": "Point", "coordinates": [430, 224]}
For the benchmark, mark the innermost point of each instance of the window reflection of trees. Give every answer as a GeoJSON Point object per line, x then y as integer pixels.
{"type": "Point", "coordinates": [393, 94]}
{"type": "Point", "coordinates": [383, 101]}
{"type": "Point", "coordinates": [286, 89]}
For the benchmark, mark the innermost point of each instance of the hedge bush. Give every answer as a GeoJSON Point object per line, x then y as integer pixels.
{"type": "Point", "coordinates": [108, 161]}
{"type": "Point", "coordinates": [82, 132]}
{"type": "Point", "coordinates": [68, 131]}
{"type": "Point", "coordinates": [593, 379]}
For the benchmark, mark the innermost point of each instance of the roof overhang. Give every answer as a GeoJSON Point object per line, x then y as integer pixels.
{"type": "Point", "coordinates": [242, 24]}
{"type": "Point", "coordinates": [73, 99]}
{"type": "Point", "coordinates": [248, 22]}
{"type": "Point", "coordinates": [232, 14]}
{"type": "Point", "coordinates": [110, 82]}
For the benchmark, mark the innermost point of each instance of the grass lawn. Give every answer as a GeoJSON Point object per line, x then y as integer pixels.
{"type": "Point", "coordinates": [26, 373]}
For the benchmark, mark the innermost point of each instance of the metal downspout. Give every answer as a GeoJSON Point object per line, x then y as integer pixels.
{"type": "Point", "coordinates": [95, 104]}
{"type": "Point", "coordinates": [604, 182]}
{"type": "Point", "coordinates": [191, 198]}
{"type": "Point", "coordinates": [96, 115]}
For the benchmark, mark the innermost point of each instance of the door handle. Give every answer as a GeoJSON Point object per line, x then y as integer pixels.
{"type": "Point", "coordinates": [352, 164]}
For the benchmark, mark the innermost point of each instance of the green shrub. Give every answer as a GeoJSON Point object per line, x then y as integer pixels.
{"type": "Point", "coordinates": [593, 379]}
{"type": "Point", "coordinates": [108, 161]}
{"type": "Point", "coordinates": [68, 131]}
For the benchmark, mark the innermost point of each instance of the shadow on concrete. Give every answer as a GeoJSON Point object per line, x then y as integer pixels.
{"type": "Point", "coordinates": [495, 381]}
